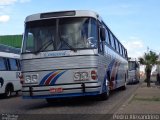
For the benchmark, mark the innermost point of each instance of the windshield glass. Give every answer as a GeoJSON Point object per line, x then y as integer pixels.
{"type": "Point", "coordinates": [60, 34]}
{"type": "Point", "coordinates": [132, 65]}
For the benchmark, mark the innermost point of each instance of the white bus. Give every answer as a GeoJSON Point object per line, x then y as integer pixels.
{"type": "Point", "coordinates": [9, 71]}
{"type": "Point", "coordinates": [71, 53]}
{"type": "Point", "coordinates": [133, 71]}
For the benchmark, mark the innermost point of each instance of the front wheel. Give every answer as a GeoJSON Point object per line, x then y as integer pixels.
{"type": "Point", "coordinates": [49, 100]}
{"type": "Point", "coordinates": [8, 91]}
{"type": "Point", "coordinates": [105, 94]}
{"type": "Point", "coordinates": [52, 100]}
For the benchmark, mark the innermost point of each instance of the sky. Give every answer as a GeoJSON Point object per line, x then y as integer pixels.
{"type": "Point", "coordinates": [136, 23]}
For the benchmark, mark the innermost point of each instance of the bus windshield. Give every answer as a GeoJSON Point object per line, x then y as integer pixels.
{"type": "Point", "coordinates": [132, 65]}
{"type": "Point", "coordinates": [60, 34]}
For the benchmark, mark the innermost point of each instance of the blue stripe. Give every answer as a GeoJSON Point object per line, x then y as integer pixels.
{"type": "Point", "coordinates": [117, 73]}
{"type": "Point", "coordinates": [53, 81]}
{"type": "Point", "coordinates": [110, 67]}
{"type": "Point", "coordinates": [62, 95]}
{"type": "Point", "coordinates": [45, 78]}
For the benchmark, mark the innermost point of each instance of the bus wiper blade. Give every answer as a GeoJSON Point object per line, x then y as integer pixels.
{"type": "Point", "coordinates": [72, 48]}
{"type": "Point", "coordinates": [43, 47]}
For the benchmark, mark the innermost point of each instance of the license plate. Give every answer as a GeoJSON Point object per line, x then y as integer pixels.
{"type": "Point", "coordinates": [56, 90]}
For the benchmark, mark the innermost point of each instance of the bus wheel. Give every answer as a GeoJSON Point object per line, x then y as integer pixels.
{"type": "Point", "coordinates": [123, 87]}
{"type": "Point", "coordinates": [49, 100]}
{"type": "Point", "coordinates": [125, 84]}
{"type": "Point", "coordinates": [8, 91]}
{"type": "Point", "coordinates": [104, 96]}
{"type": "Point", "coordinates": [17, 93]}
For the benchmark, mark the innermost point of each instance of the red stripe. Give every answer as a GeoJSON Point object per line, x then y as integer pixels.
{"type": "Point", "coordinates": [50, 78]}
{"type": "Point", "coordinates": [114, 72]}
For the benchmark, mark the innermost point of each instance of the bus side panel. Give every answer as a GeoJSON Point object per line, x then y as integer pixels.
{"type": "Point", "coordinates": [10, 77]}
{"type": "Point", "coordinates": [116, 68]}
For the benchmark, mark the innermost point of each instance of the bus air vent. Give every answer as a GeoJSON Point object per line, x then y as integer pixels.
{"type": "Point", "coordinates": [58, 14]}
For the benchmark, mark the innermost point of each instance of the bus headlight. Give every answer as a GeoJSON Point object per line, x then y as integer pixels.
{"type": "Point", "coordinates": [31, 78]}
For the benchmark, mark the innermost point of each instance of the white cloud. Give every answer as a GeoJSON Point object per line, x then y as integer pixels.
{"type": "Point", "coordinates": [24, 1]}
{"type": "Point", "coordinates": [6, 8]}
{"type": "Point", "coordinates": [135, 47]}
{"type": "Point", "coordinates": [10, 2]}
{"type": "Point", "coordinates": [7, 2]}
{"type": "Point", "coordinates": [4, 18]}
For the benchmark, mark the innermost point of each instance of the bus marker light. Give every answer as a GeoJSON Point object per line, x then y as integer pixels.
{"type": "Point", "coordinates": [93, 74]}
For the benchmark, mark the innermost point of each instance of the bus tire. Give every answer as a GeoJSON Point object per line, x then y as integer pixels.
{"type": "Point", "coordinates": [104, 96]}
{"type": "Point", "coordinates": [49, 100]}
{"type": "Point", "coordinates": [8, 91]}
{"type": "Point", "coordinates": [17, 93]}
{"type": "Point", "coordinates": [124, 86]}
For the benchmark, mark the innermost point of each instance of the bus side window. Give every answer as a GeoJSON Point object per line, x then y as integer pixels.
{"type": "Point", "coordinates": [107, 37]}
{"type": "Point", "coordinates": [107, 34]}
{"type": "Point", "coordinates": [120, 48]}
{"type": "Point", "coordinates": [2, 64]}
{"type": "Point", "coordinates": [126, 55]}
{"type": "Point", "coordinates": [117, 45]}
{"type": "Point", "coordinates": [123, 52]}
{"type": "Point", "coordinates": [13, 64]}
{"type": "Point", "coordinates": [100, 42]}
{"type": "Point", "coordinates": [112, 40]}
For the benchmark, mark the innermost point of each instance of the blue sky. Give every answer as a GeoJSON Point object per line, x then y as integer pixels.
{"type": "Point", "coordinates": [134, 22]}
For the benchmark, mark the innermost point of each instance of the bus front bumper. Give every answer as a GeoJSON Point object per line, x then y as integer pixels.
{"type": "Point", "coordinates": [61, 90]}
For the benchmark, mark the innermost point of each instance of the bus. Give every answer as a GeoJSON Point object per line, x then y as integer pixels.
{"type": "Point", "coordinates": [9, 73]}
{"type": "Point", "coordinates": [69, 54]}
{"type": "Point", "coordinates": [133, 71]}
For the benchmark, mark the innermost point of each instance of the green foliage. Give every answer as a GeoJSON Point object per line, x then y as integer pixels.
{"type": "Point", "coordinates": [149, 60]}
{"type": "Point", "coordinates": [11, 40]}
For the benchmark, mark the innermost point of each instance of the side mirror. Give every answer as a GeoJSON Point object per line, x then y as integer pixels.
{"type": "Point", "coordinates": [103, 34]}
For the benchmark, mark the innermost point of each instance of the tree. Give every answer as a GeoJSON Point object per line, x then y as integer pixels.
{"type": "Point", "coordinates": [149, 60]}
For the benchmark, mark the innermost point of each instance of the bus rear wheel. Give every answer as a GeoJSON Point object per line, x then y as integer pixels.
{"type": "Point", "coordinates": [125, 85]}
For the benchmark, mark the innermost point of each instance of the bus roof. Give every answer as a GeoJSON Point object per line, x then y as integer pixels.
{"type": "Point", "coordinates": [9, 55]}
{"type": "Point", "coordinates": [60, 14]}
{"type": "Point", "coordinates": [133, 60]}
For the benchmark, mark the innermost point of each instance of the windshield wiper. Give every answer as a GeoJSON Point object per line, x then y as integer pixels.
{"type": "Point", "coordinates": [62, 40]}
{"type": "Point", "coordinates": [43, 47]}
{"type": "Point", "coordinates": [72, 48]}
